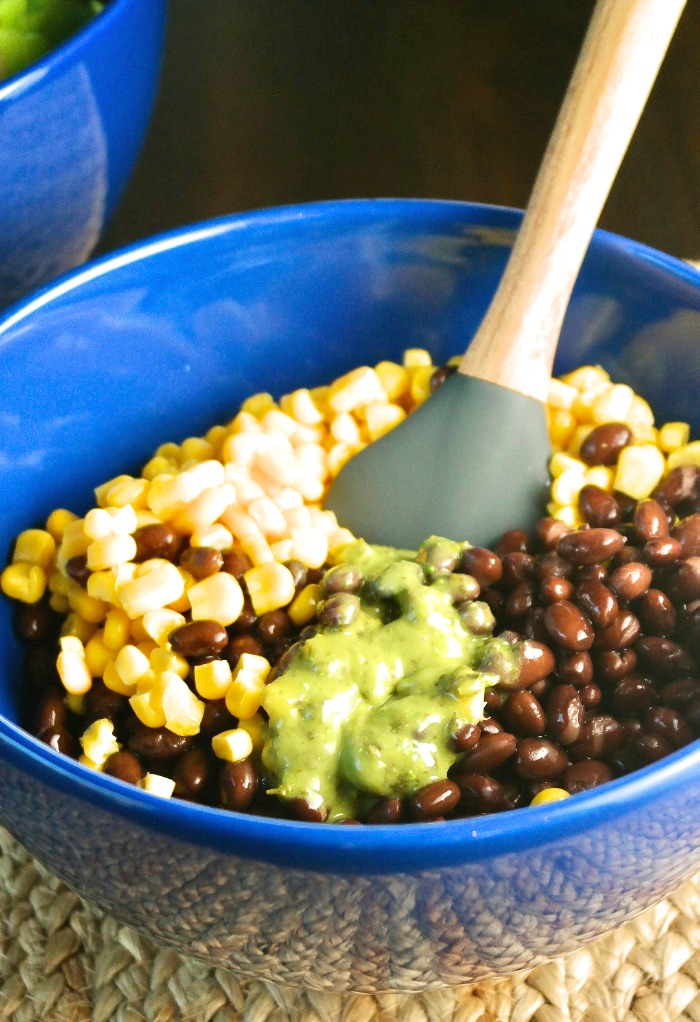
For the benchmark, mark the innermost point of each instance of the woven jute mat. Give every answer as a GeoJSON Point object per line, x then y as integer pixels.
{"type": "Point", "coordinates": [63, 960]}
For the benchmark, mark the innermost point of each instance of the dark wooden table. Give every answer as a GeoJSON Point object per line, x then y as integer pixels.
{"type": "Point", "coordinates": [265, 102]}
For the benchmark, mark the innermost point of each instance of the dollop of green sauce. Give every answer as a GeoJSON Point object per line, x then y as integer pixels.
{"type": "Point", "coordinates": [369, 710]}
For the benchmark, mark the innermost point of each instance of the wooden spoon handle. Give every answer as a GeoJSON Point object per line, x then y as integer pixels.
{"type": "Point", "coordinates": [622, 52]}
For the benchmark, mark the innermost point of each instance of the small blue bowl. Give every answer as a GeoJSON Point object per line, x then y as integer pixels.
{"type": "Point", "coordinates": [166, 338]}
{"type": "Point", "coordinates": [71, 127]}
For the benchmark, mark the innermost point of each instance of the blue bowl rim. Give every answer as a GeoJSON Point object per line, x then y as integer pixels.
{"type": "Point", "coordinates": [350, 850]}
{"type": "Point", "coordinates": [65, 53]}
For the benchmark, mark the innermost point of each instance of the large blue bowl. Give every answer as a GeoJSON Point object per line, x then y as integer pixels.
{"type": "Point", "coordinates": [159, 342]}
{"type": "Point", "coordinates": [71, 127]}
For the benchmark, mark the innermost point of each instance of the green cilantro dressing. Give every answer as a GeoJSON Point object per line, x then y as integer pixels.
{"type": "Point", "coordinates": [368, 710]}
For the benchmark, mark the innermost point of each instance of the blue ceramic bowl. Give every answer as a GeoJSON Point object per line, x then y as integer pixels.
{"type": "Point", "coordinates": [157, 343]}
{"type": "Point", "coordinates": [71, 127]}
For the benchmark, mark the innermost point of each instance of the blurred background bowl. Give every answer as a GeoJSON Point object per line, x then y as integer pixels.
{"type": "Point", "coordinates": [159, 342]}
{"type": "Point", "coordinates": [71, 127]}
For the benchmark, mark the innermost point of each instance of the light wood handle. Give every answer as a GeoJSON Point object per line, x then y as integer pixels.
{"type": "Point", "coordinates": [622, 52]}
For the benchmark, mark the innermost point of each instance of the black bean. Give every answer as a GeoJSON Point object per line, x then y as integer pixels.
{"type": "Point", "coordinates": [202, 561]}
{"type": "Point", "coordinates": [60, 739]}
{"type": "Point", "coordinates": [468, 736]}
{"type": "Point", "coordinates": [520, 601]}
{"type": "Point", "coordinates": [101, 701]}
{"type": "Point", "coordinates": [665, 657]}
{"type": "Point", "coordinates": [658, 552]}
{"type": "Point", "coordinates": [158, 540]}
{"type": "Point", "coordinates": [603, 444]}
{"type": "Point", "coordinates": [575, 669]}
{"type": "Point", "coordinates": [484, 565]}
{"type": "Point", "coordinates": [50, 713]}
{"type": "Point", "coordinates": [601, 736]}
{"type": "Point", "coordinates": [246, 620]}
{"type": "Point", "coordinates": [565, 714]}
{"type": "Point", "coordinates": [622, 633]}
{"type": "Point", "coordinates": [590, 546]}
{"type": "Point", "coordinates": [216, 718]}
{"type": "Point", "coordinates": [438, 557]}
{"type": "Point", "coordinates": [274, 625]}
{"type": "Point", "coordinates": [551, 565]}
{"type": "Point", "coordinates": [299, 573]}
{"type": "Point", "coordinates": [33, 622]}
{"type": "Point", "coordinates": [491, 751]}
{"type": "Point", "coordinates": [656, 613]}
{"type": "Point", "coordinates": [679, 693]}
{"type": "Point", "coordinates": [517, 567]}
{"type": "Point", "coordinates": [650, 521]}
{"type": "Point", "coordinates": [687, 533]}
{"type": "Point", "coordinates": [199, 638]}
{"type": "Point", "coordinates": [550, 531]}
{"type": "Point", "coordinates": [586, 774]}
{"type": "Point", "coordinates": [480, 793]}
{"type": "Point", "coordinates": [534, 627]}
{"type": "Point", "coordinates": [669, 724]}
{"type": "Point", "coordinates": [523, 715]}
{"type": "Point", "coordinates": [434, 799]}
{"type": "Point", "coordinates": [476, 615]}
{"type": "Point", "coordinates": [598, 602]}
{"type": "Point", "coordinates": [614, 665]}
{"type": "Point", "coordinates": [539, 759]}
{"type": "Point", "coordinates": [634, 694]}
{"type": "Point", "coordinates": [678, 485]}
{"type": "Point", "coordinates": [124, 766]}
{"type": "Point", "coordinates": [591, 696]}
{"type": "Point", "coordinates": [683, 580]}
{"type": "Point", "coordinates": [339, 611]}
{"type": "Point", "coordinates": [646, 749]}
{"type": "Point", "coordinates": [77, 569]}
{"type": "Point", "coordinates": [237, 785]}
{"type": "Point", "coordinates": [598, 507]}
{"type": "Point", "coordinates": [512, 541]}
{"type": "Point", "coordinates": [389, 810]}
{"type": "Point", "coordinates": [553, 589]}
{"type": "Point", "coordinates": [345, 578]}
{"type": "Point", "coordinates": [157, 743]}
{"type": "Point", "coordinates": [236, 563]}
{"type": "Point", "coordinates": [240, 644]}
{"type": "Point", "coordinates": [568, 626]}
{"type": "Point", "coordinates": [192, 772]}
{"type": "Point", "coordinates": [631, 580]}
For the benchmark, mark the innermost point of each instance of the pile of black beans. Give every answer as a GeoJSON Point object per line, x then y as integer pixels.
{"type": "Point", "coordinates": [607, 618]}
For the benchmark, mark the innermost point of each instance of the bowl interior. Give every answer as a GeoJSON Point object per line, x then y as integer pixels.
{"type": "Point", "coordinates": [166, 339]}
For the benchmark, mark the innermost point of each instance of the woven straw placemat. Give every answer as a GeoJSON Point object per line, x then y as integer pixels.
{"type": "Point", "coordinates": [63, 960]}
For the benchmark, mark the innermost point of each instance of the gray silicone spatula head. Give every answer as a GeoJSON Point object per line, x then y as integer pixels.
{"type": "Point", "coordinates": [471, 462]}
{"type": "Point", "coordinates": [476, 487]}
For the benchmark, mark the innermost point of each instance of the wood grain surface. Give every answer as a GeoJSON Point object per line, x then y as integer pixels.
{"type": "Point", "coordinates": [265, 102]}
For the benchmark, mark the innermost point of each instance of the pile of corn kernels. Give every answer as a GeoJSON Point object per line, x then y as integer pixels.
{"type": "Point", "coordinates": [256, 486]}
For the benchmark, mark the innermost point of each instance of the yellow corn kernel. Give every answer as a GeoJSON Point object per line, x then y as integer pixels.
{"type": "Point", "coordinates": [282, 550]}
{"type": "Point", "coordinates": [76, 704]}
{"type": "Point", "coordinates": [72, 668]}
{"type": "Point", "coordinates": [673, 435]}
{"type": "Point", "coordinates": [58, 520]}
{"type": "Point", "coordinates": [158, 587]}
{"type": "Point", "coordinates": [640, 418]}
{"type": "Point", "coordinates": [126, 490]}
{"type": "Point", "coordinates": [257, 548]}
{"type": "Point", "coordinates": [270, 586]}
{"type": "Point", "coordinates": [216, 536]}
{"type": "Point", "coordinates": [157, 784]}
{"type": "Point", "coordinates": [110, 551]}
{"type": "Point", "coordinates": [567, 486]}
{"type": "Point", "coordinates": [75, 625]}
{"type": "Point", "coordinates": [337, 456]}
{"type": "Point", "coordinates": [548, 795]}
{"type": "Point", "coordinates": [689, 454]}
{"type": "Point", "coordinates": [196, 448]}
{"type": "Point", "coordinates": [415, 357]}
{"type": "Point", "coordinates": [162, 659]}
{"type": "Point", "coordinates": [158, 624]}
{"type": "Point", "coordinates": [183, 710]}
{"type": "Point", "coordinates": [89, 608]}
{"type": "Point", "coordinates": [157, 466]}
{"type": "Point", "coordinates": [582, 407]}
{"type": "Point", "coordinates": [381, 417]}
{"type": "Point", "coordinates": [258, 404]}
{"type": "Point", "coordinates": [60, 583]}
{"type": "Point", "coordinates": [340, 538]}
{"type": "Point", "coordinates": [568, 514]}
{"type": "Point", "coordinates": [148, 704]}
{"type": "Point", "coordinates": [131, 665]}
{"type": "Point", "coordinates": [58, 603]}
{"type": "Point", "coordinates": [345, 430]}
{"type": "Point", "coordinates": [561, 462]}
{"type": "Point", "coordinates": [35, 546]}
{"type": "Point", "coordinates": [213, 679]}
{"type": "Point", "coordinates": [99, 742]}
{"type": "Point", "coordinates": [420, 389]}
{"type": "Point", "coordinates": [601, 476]}
{"type": "Point", "coordinates": [304, 606]}
{"type": "Point", "coordinates": [393, 378]}
{"type": "Point", "coordinates": [258, 730]}
{"type": "Point", "coordinates": [561, 395]}
{"type": "Point", "coordinates": [97, 654]}
{"type": "Point", "coordinates": [97, 523]}
{"type": "Point", "coordinates": [302, 407]}
{"type": "Point", "coordinates": [577, 437]}
{"type": "Point", "coordinates": [232, 746]}
{"type": "Point", "coordinates": [310, 546]}
{"type": "Point", "coordinates": [217, 598]}
{"type": "Point", "coordinates": [102, 585]}
{"type": "Point", "coordinates": [639, 469]}
{"type": "Point", "coordinates": [24, 582]}
{"type": "Point", "coordinates": [586, 377]}
{"type": "Point", "coordinates": [216, 436]}
{"type": "Point", "coordinates": [113, 681]}
{"type": "Point", "coordinates": [355, 389]}
{"type": "Point", "coordinates": [116, 629]}
{"type": "Point", "coordinates": [613, 405]}
{"type": "Point", "coordinates": [561, 424]}
{"type": "Point", "coordinates": [244, 696]}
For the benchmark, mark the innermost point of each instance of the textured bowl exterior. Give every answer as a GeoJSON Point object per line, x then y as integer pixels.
{"type": "Point", "coordinates": [71, 127]}
{"type": "Point", "coordinates": [163, 340]}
